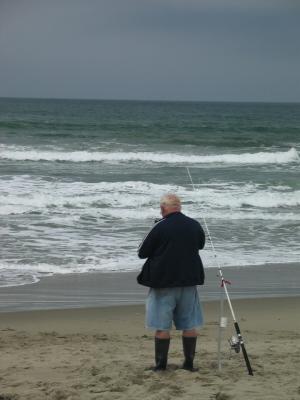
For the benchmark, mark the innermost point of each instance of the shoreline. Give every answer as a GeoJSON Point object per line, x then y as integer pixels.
{"type": "Point", "coordinates": [102, 289]}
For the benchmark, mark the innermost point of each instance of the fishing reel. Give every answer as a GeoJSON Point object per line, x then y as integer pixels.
{"type": "Point", "coordinates": [234, 344]}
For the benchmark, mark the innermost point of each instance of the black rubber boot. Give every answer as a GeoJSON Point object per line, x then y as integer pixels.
{"type": "Point", "coordinates": [189, 349]}
{"type": "Point", "coordinates": [161, 354]}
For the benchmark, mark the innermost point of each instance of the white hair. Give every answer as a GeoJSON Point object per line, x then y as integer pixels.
{"type": "Point", "coordinates": [170, 200]}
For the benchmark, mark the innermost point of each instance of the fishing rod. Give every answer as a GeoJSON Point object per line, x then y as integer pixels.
{"type": "Point", "coordinates": [239, 342]}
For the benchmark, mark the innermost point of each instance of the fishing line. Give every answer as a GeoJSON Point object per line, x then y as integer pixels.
{"type": "Point", "coordinates": [236, 345]}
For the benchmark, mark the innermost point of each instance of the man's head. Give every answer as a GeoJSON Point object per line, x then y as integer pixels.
{"type": "Point", "coordinates": [169, 203]}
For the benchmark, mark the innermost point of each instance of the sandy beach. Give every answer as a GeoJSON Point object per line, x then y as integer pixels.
{"type": "Point", "coordinates": [104, 353]}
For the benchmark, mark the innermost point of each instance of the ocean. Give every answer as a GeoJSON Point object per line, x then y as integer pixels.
{"type": "Point", "coordinates": [80, 181]}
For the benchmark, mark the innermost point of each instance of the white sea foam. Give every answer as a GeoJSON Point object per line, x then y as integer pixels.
{"type": "Point", "coordinates": [138, 199]}
{"type": "Point", "coordinates": [97, 226]}
{"type": "Point", "coordinates": [28, 154]}
{"type": "Point", "coordinates": [14, 274]}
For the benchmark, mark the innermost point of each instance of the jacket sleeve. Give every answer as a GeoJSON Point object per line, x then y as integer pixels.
{"type": "Point", "coordinates": [149, 244]}
{"type": "Point", "coordinates": [201, 237]}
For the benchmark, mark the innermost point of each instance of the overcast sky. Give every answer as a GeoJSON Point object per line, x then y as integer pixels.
{"type": "Point", "coordinates": [151, 49]}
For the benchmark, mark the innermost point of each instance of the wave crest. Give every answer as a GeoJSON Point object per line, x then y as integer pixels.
{"type": "Point", "coordinates": [280, 157]}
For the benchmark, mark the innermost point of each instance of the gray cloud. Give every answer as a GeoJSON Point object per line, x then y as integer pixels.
{"type": "Point", "coordinates": [158, 49]}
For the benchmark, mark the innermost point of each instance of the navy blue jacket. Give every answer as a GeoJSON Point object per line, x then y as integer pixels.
{"type": "Point", "coordinates": [172, 251]}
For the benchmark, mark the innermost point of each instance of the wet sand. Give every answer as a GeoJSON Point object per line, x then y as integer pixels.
{"type": "Point", "coordinates": [106, 289]}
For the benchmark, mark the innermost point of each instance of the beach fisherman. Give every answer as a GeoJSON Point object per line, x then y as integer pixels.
{"type": "Point", "coordinates": [172, 271]}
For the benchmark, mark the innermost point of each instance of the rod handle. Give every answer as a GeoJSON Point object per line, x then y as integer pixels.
{"type": "Point", "coordinates": [246, 358]}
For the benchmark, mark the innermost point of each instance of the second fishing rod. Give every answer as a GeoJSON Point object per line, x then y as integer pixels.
{"type": "Point", "coordinates": [224, 285]}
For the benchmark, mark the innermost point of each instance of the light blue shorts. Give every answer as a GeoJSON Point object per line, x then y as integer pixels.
{"type": "Point", "coordinates": [178, 304]}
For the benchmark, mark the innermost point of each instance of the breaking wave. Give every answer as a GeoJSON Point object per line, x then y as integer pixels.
{"type": "Point", "coordinates": [138, 199]}
{"type": "Point", "coordinates": [26, 154]}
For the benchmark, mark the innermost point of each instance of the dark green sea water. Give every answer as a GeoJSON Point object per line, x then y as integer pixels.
{"type": "Point", "coordinates": [80, 181]}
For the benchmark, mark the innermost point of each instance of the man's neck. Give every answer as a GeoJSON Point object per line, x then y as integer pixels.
{"type": "Point", "coordinates": [169, 212]}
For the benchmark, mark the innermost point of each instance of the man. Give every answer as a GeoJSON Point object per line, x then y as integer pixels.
{"type": "Point", "coordinates": [172, 270]}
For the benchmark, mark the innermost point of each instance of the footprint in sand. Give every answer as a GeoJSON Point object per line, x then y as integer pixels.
{"type": "Point", "coordinates": [223, 396]}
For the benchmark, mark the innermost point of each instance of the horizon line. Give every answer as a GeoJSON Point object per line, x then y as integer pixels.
{"type": "Point", "coordinates": [150, 100]}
